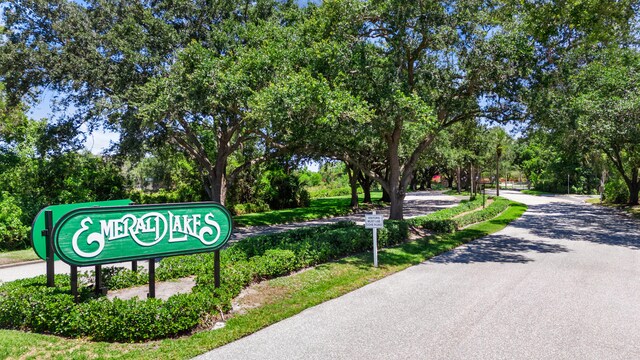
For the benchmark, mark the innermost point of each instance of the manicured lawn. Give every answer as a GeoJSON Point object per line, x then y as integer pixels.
{"type": "Point", "coordinates": [282, 298]}
{"type": "Point", "coordinates": [11, 257]}
{"type": "Point", "coordinates": [319, 208]}
{"type": "Point", "coordinates": [535, 192]}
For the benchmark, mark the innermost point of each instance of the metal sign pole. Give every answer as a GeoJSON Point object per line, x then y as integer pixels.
{"type": "Point", "coordinates": [216, 269]}
{"type": "Point", "coordinates": [152, 278]}
{"type": "Point", "coordinates": [48, 221]}
{"type": "Point", "coordinates": [74, 282]}
{"type": "Point", "coordinates": [375, 245]}
{"type": "Point", "coordinates": [98, 286]}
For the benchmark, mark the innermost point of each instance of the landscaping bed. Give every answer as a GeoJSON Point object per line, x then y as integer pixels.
{"type": "Point", "coordinates": [30, 305]}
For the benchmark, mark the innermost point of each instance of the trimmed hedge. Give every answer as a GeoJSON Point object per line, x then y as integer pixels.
{"type": "Point", "coordinates": [443, 221]}
{"type": "Point", "coordinates": [496, 207]}
{"type": "Point", "coordinates": [29, 305]}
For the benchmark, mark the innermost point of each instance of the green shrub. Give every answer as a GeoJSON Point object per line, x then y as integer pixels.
{"type": "Point", "coordinates": [616, 191]}
{"type": "Point", "coordinates": [323, 191]}
{"type": "Point", "coordinates": [13, 233]}
{"type": "Point", "coordinates": [249, 208]}
{"type": "Point", "coordinates": [274, 263]}
{"type": "Point", "coordinates": [442, 221]}
{"type": "Point", "coordinates": [162, 196]}
{"type": "Point", "coordinates": [496, 207]}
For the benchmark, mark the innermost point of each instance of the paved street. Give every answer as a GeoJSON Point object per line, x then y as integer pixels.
{"type": "Point", "coordinates": [562, 282]}
{"type": "Point", "coordinates": [416, 204]}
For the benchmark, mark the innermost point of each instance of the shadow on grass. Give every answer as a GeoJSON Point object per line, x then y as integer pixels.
{"type": "Point", "coordinates": [318, 208]}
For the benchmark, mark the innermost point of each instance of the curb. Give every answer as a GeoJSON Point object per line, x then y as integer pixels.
{"type": "Point", "coordinates": [5, 266]}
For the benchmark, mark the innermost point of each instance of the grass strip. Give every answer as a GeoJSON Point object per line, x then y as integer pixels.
{"type": "Point", "coordinates": [294, 294]}
{"type": "Point", "coordinates": [318, 209]}
{"type": "Point", "coordinates": [535, 192]}
{"type": "Point", "coordinates": [12, 257]}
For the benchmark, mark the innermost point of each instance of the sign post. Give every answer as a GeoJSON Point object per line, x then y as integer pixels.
{"type": "Point", "coordinates": [375, 222]}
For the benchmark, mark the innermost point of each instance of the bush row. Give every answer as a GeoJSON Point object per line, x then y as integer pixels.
{"type": "Point", "coordinates": [439, 222]}
{"type": "Point", "coordinates": [496, 207]}
{"type": "Point", "coordinates": [322, 192]}
{"type": "Point", "coordinates": [442, 221]}
{"type": "Point", "coordinates": [29, 305]}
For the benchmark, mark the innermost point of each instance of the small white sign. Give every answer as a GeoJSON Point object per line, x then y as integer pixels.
{"type": "Point", "coordinates": [373, 221]}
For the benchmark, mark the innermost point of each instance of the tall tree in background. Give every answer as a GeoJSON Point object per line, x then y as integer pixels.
{"type": "Point", "coordinates": [577, 44]}
{"type": "Point", "coordinates": [606, 104]}
{"type": "Point", "coordinates": [412, 68]}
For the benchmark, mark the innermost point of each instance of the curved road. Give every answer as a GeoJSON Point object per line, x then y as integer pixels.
{"type": "Point", "coordinates": [562, 282]}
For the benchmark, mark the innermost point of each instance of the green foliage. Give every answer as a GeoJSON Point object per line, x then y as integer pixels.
{"type": "Point", "coordinates": [616, 191]}
{"type": "Point", "coordinates": [13, 234]}
{"type": "Point", "coordinates": [274, 263]}
{"type": "Point", "coordinates": [496, 207]}
{"type": "Point", "coordinates": [248, 208]}
{"type": "Point", "coordinates": [442, 221]}
{"type": "Point", "coordinates": [183, 194]}
{"type": "Point", "coordinates": [29, 305]}
{"type": "Point", "coordinates": [282, 191]}
{"type": "Point", "coordinates": [446, 221]}
{"type": "Point", "coordinates": [323, 191]}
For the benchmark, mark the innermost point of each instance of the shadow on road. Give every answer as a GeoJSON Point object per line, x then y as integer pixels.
{"type": "Point", "coordinates": [497, 248]}
{"type": "Point", "coordinates": [578, 222]}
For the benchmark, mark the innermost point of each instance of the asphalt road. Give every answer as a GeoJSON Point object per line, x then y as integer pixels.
{"type": "Point", "coordinates": [562, 282]}
{"type": "Point", "coordinates": [415, 204]}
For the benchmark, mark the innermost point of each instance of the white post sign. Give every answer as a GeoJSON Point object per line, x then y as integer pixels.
{"type": "Point", "coordinates": [375, 222]}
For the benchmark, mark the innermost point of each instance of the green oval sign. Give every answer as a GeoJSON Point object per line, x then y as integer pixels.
{"type": "Point", "coordinates": [102, 235]}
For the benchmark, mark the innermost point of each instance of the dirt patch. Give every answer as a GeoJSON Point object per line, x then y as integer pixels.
{"type": "Point", "coordinates": [257, 295]}
{"type": "Point", "coordinates": [164, 289]}
{"type": "Point", "coordinates": [5, 261]}
{"type": "Point", "coordinates": [416, 233]}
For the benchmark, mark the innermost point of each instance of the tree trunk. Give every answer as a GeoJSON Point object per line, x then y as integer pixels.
{"type": "Point", "coordinates": [397, 210]}
{"type": "Point", "coordinates": [365, 184]}
{"type": "Point", "coordinates": [218, 180]}
{"type": "Point", "coordinates": [458, 179]}
{"type": "Point", "coordinates": [396, 188]}
{"type": "Point", "coordinates": [353, 183]}
{"type": "Point", "coordinates": [497, 175]}
{"type": "Point", "coordinates": [218, 192]}
{"type": "Point", "coordinates": [471, 187]}
{"type": "Point", "coordinates": [634, 187]}
{"type": "Point", "coordinates": [414, 182]}
{"type": "Point", "coordinates": [385, 195]}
